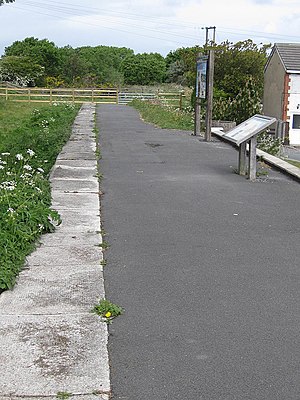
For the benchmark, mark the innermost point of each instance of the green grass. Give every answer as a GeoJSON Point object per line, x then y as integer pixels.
{"type": "Point", "coordinates": [31, 137]}
{"type": "Point", "coordinates": [164, 117]}
{"type": "Point", "coordinates": [293, 162]}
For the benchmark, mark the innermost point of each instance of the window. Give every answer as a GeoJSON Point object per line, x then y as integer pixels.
{"type": "Point", "coordinates": [296, 121]}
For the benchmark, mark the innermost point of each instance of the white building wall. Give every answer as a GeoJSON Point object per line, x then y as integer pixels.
{"type": "Point", "coordinates": [293, 112]}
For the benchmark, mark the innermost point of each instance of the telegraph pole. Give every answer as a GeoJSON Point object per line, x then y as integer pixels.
{"type": "Point", "coordinates": [210, 85]}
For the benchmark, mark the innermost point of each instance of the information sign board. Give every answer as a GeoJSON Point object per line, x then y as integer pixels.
{"type": "Point", "coordinates": [249, 128]}
{"type": "Point", "coordinates": [201, 77]}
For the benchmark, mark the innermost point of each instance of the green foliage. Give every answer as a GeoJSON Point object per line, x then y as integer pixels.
{"type": "Point", "coordinates": [107, 310]}
{"type": "Point", "coordinates": [269, 144]}
{"type": "Point", "coordinates": [246, 103]}
{"type": "Point", "coordinates": [41, 52]}
{"type": "Point", "coordinates": [293, 162]}
{"type": "Point", "coordinates": [93, 66]}
{"type": "Point", "coordinates": [63, 395]}
{"type": "Point", "coordinates": [21, 70]}
{"type": "Point", "coordinates": [182, 60]}
{"type": "Point", "coordinates": [144, 69]}
{"type": "Point", "coordinates": [28, 150]}
{"type": "Point", "coordinates": [236, 63]}
{"type": "Point", "coordinates": [164, 116]}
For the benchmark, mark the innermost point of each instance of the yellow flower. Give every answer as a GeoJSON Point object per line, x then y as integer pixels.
{"type": "Point", "coordinates": [108, 314]}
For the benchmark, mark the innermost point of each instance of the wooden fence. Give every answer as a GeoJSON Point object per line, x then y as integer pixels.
{"type": "Point", "coordinates": [45, 95]}
{"type": "Point", "coordinates": [98, 96]}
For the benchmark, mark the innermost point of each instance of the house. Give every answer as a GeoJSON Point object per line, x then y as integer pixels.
{"type": "Point", "coordinates": [282, 87]}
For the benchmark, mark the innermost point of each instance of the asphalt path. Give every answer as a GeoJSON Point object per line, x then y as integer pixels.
{"type": "Point", "coordinates": [205, 263]}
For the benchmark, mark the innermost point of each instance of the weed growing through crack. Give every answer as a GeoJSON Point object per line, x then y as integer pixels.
{"type": "Point", "coordinates": [104, 245]}
{"type": "Point", "coordinates": [107, 310]}
{"type": "Point", "coordinates": [63, 395]}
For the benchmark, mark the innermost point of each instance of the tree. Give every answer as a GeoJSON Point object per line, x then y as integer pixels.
{"type": "Point", "coordinates": [236, 63]}
{"type": "Point", "coordinates": [41, 52]}
{"type": "Point", "coordinates": [184, 59]}
{"type": "Point", "coordinates": [144, 69]}
{"type": "Point", "coordinates": [6, 1]}
{"type": "Point", "coordinates": [93, 66]}
{"type": "Point", "coordinates": [20, 70]}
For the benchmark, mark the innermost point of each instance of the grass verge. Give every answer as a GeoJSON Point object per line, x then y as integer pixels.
{"type": "Point", "coordinates": [163, 116]}
{"type": "Point", "coordinates": [293, 162]}
{"type": "Point", "coordinates": [30, 140]}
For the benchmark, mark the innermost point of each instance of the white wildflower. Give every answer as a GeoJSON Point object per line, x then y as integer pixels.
{"type": "Point", "coordinates": [41, 227]}
{"type": "Point", "coordinates": [26, 175]}
{"type": "Point", "coordinates": [30, 152]}
{"type": "Point", "coordinates": [40, 170]}
{"type": "Point", "coordinates": [19, 157]}
{"type": "Point", "coordinates": [27, 167]}
{"type": "Point", "coordinates": [8, 185]}
{"type": "Point", "coordinates": [1, 167]}
{"type": "Point", "coordinates": [5, 154]}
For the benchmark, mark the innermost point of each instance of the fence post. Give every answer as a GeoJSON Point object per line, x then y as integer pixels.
{"type": "Point", "coordinates": [6, 93]}
{"type": "Point", "coordinates": [51, 96]}
{"type": "Point", "coordinates": [117, 96]}
{"type": "Point", "coordinates": [73, 95]}
{"type": "Point", "coordinates": [29, 98]}
{"type": "Point", "coordinates": [180, 101]}
{"type": "Point", "coordinates": [92, 95]}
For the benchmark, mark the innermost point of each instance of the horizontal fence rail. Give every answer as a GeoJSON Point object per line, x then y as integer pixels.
{"type": "Point", "coordinates": [45, 95]}
{"type": "Point", "coordinates": [98, 96]}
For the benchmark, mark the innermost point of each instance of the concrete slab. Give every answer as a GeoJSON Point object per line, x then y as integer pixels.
{"type": "Point", "coordinates": [47, 293]}
{"type": "Point", "coordinates": [75, 145]}
{"type": "Point", "coordinates": [71, 172]}
{"type": "Point", "coordinates": [74, 220]}
{"type": "Point", "coordinates": [75, 185]}
{"type": "Point", "coordinates": [73, 201]}
{"type": "Point", "coordinates": [76, 155]}
{"type": "Point", "coordinates": [71, 236]}
{"type": "Point", "coordinates": [47, 354]}
{"type": "Point", "coordinates": [280, 164]}
{"type": "Point", "coordinates": [70, 255]}
{"type": "Point", "coordinates": [76, 163]}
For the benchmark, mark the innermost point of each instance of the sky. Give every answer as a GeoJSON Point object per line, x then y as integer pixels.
{"type": "Point", "coordinates": [149, 25]}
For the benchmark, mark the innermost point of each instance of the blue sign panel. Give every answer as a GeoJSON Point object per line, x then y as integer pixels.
{"type": "Point", "coordinates": [201, 77]}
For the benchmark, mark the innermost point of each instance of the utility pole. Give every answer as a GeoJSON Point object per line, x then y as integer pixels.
{"type": "Point", "coordinates": [210, 85]}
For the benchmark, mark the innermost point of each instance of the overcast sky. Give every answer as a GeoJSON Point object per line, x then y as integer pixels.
{"type": "Point", "coordinates": [149, 25]}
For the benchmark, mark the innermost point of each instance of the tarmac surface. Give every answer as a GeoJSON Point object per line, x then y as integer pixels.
{"type": "Point", "coordinates": [205, 263]}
